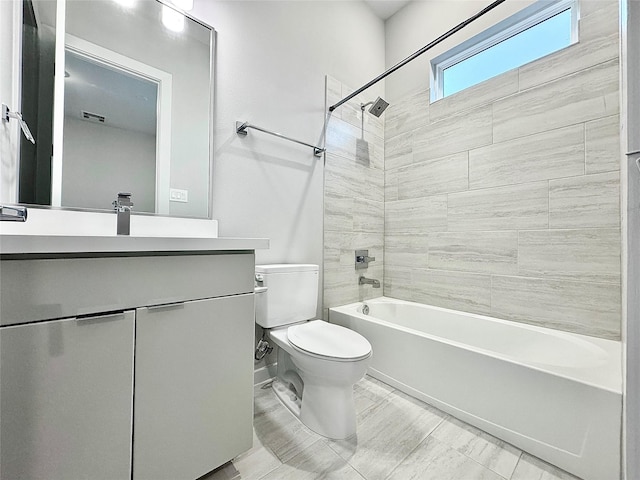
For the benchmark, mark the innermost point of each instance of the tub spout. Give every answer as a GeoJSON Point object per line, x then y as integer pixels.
{"type": "Point", "coordinates": [368, 281]}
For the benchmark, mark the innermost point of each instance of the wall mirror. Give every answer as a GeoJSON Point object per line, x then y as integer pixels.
{"type": "Point", "coordinates": [129, 108]}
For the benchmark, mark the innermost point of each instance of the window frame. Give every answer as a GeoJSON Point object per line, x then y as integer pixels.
{"type": "Point", "coordinates": [528, 17]}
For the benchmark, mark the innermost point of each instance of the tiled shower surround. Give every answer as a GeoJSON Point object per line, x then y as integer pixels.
{"type": "Point", "coordinates": [503, 199]}
{"type": "Point", "coordinates": [353, 198]}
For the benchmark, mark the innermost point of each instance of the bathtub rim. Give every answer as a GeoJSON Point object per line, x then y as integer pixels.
{"type": "Point", "coordinates": [613, 348]}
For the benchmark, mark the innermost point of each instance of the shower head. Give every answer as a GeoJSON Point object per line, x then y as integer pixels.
{"type": "Point", "coordinates": [377, 107]}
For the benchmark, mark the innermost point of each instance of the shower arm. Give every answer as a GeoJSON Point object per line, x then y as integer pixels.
{"type": "Point", "coordinates": [427, 47]}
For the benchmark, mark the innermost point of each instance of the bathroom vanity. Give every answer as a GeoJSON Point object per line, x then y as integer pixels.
{"type": "Point", "coordinates": [125, 357]}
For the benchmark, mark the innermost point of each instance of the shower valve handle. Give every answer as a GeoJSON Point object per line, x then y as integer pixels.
{"type": "Point", "coordinates": [363, 259]}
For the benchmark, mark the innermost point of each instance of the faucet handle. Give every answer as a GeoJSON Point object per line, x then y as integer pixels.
{"type": "Point", "coordinates": [123, 200]}
{"type": "Point", "coordinates": [363, 259]}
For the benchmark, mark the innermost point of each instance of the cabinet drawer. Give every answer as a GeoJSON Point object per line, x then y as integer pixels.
{"type": "Point", "coordinates": [41, 289]}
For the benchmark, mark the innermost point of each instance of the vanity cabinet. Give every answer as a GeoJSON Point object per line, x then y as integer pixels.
{"type": "Point", "coordinates": [65, 398]}
{"type": "Point", "coordinates": [193, 406]}
{"type": "Point", "coordinates": [120, 365]}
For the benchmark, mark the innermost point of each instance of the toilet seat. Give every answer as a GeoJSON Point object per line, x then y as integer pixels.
{"type": "Point", "coordinates": [326, 340]}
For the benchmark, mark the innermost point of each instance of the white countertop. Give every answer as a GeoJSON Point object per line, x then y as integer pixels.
{"type": "Point", "coordinates": [60, 244]}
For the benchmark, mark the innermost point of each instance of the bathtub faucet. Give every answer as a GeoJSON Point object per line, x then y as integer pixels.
{"type": "Point", "coordinates": [368, 281]}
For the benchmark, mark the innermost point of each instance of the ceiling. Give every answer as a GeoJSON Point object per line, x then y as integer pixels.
{"type": "Point", "coordinates": [386, 8]}
{"type": "Point", "coordinates": [124, 99]}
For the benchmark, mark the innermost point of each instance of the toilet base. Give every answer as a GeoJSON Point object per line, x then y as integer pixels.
{"type": "Point", "coordinates": [329, 411]}
{"type": "Point", "coordinates": [287, 396]}
{"type": "Point", "coordinates": [330, 414]}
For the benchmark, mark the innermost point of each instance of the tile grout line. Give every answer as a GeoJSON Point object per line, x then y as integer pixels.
{"type": "Point", "coordinates": [418, 445]}
{"type": "Point", "coordinates": [490, 469]}
{"type": "Point", "coordinates": [516, 467]}
{"type": "Point", "coordinates": [479, 436]}
{"type": "Point", "coordinates": [408, 455]}
{"type": "Point", "coordinates": [268, 473]}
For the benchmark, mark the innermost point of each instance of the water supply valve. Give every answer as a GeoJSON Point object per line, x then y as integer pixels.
{"type": "Point", "coordinates": [262, 349]}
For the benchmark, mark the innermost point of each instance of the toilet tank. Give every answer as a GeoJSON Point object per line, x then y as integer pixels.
{"type": "Point", "coordinates": [291, 295]}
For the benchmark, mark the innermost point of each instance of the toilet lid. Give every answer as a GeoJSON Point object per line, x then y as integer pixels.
{"type": "Point", "coordinates": [328, 340]}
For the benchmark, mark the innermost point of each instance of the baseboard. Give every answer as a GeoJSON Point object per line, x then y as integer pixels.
{"type": "Point", "coordinates": [264, 374]}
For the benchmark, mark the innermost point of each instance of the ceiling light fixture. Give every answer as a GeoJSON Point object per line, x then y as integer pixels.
{"type": "Point", "coordinates": [172, 19]}
{"type": "Point", "coordinates": [126, 3]}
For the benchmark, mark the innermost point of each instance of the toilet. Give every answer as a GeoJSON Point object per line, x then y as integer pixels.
{"type": "Point", "coordinates": [318, 362]}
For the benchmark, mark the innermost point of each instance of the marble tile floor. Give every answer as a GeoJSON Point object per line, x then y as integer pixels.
{"type": "Point", "coordinates": [399, 438]}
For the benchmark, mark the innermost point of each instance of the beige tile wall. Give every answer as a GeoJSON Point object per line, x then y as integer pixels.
{"type": "Point", "coordinates": [503, 199]}
{"type": "Point", "coordinates": [353, 198]}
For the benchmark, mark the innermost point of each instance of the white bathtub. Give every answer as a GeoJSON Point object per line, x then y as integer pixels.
{"type": "Point", "coordinates": [553, 394]}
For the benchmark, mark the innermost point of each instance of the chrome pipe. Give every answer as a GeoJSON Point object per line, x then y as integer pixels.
{"type": "Point", "coordinates": [241, 129]}
{"type": "Point", "coordinates": [427, 47]}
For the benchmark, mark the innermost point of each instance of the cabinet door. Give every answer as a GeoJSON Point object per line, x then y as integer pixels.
{"type": "Point", "coordinates": [193, 407]}
{"type": "Point", "coordinates": [65, 398]}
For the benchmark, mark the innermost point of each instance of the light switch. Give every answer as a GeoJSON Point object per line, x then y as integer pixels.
{"type": "Point", "coordinates": [177, 195]}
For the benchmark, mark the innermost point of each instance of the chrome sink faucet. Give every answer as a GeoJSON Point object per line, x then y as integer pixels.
{"type": "Point", "coordinates": [368, 281]}
{"type": "Point", "coordinates": [123, 208]}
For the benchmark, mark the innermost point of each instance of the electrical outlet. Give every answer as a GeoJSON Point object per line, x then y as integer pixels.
{"type": "Point", "coordinates": [177, 195]}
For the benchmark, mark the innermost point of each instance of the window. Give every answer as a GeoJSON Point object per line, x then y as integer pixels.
{"type": "Point", "coordinates": [536, 31]}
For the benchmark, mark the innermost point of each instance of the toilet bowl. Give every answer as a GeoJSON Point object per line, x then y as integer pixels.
{"type": "Point", "coordinates": [318, 362]}
{"type": "Point", "coordinates": [326, 405]}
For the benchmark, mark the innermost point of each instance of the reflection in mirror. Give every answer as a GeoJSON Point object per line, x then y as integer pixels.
{"type": "Point", "coordinates": [110, 137]}
{"type": "Point", "coordinates": [133, 108]}
{"type": "Point", "coordinates": [38, 60]}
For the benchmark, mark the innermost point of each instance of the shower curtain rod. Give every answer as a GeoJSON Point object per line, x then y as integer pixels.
{"type": "Point", "coordinates": [429, 46]}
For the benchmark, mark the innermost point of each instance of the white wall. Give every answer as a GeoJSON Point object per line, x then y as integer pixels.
{"type": "Point", "coordinates": [271, 61]}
